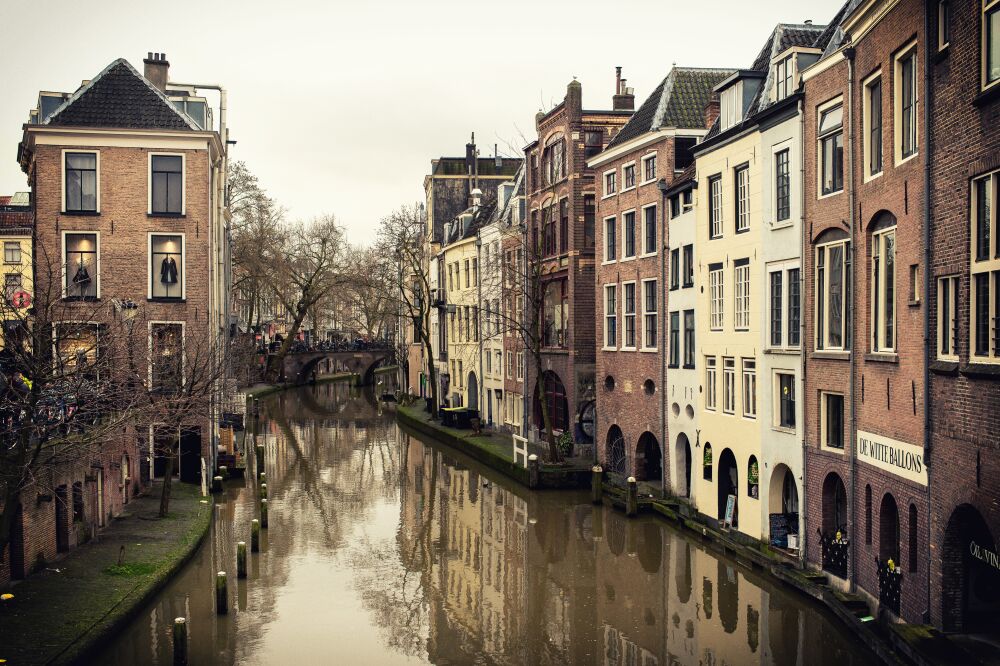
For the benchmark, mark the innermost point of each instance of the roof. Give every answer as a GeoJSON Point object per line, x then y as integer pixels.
{"type": "Point", "coordinates": [455, 166]}
{"type": "Point", "coordinates": [120, 97]}
{"type": "Point", "coordinates": [679, 101]}
{"type": "Point", "coordinates": [832, 38]}
{"type": "Point", "coordinates": [685, 180]}
{"type": "Point", "coordinates": [15, 218]}
{"type": "Point", "coordinates": [453, 230]}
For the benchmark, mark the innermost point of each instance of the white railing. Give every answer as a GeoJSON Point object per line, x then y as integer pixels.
{"type": "Point", "coordinates": [520, 450]}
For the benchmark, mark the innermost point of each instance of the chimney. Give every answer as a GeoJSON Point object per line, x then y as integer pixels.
{"type": "Point", "coordinates": [712, 110]}
{"type": "Point", "coordinates": [574, 100]}
{"type": "Point", "coordinates": [155, 69]}
{"type": "Point", "coordinates": [477, 200]}
{"type": "Point", "coordinates": [624, 99]}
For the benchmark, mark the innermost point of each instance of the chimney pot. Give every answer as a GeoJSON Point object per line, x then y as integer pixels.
{"type": "Point", "coordinates": [149, 55]}
{"type": "Point", "coordinates": [155, 69]}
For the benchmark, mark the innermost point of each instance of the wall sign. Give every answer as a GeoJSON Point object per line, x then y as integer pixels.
{"type": "Point", "coordinates": [984, 555]}
{"type": "Point", "coordinates": [904, 460]}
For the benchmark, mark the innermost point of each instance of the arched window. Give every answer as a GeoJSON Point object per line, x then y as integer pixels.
{"type": "Point", "coordinates": [913, 538]}
{"type": "Point", "coordinates": [555, 402]}
{"type": "Point", "coordinates": [706, 472]}
{"type": "Point", "coordinates": [888, 541]}
{"type": "Point", "coordinates": [615, 457]}
{"type": "Point", "coordinates": [868, 514]}
{"type": "Point", "coordinates": [753, 478]}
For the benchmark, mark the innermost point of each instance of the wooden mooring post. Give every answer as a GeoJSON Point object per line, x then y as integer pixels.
{"type": "Point", "coordinates": [180, 641]}
{"type": "Point", "coordinates": [241, 559]}
{"type": "Point", "coordinates": [596, 484]}
{"type": "Point", "coordinates": [263, 513]}
{"type": "Point", "coordinates": [221, 593]}
{"type": "Point", "coordinates": [632, 500]}
{"type": "Point", "coordinates": [254, 536]}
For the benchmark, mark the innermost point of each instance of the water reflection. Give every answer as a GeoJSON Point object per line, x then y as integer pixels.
{"type": "Point", "coordinates": [384, 549]}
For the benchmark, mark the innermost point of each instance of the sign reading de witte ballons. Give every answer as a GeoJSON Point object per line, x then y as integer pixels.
{"type": "Point", "coordinates": [899, 458]}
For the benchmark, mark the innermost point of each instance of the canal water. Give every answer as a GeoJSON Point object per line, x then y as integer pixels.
{"type": "Point", "coordinates": [384, 549]}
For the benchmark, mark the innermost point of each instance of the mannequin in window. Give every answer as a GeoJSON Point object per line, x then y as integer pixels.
{"type": "Point", "coordinates": [168, 271]}
{"type": "Point", "coordinates": [82, 277]}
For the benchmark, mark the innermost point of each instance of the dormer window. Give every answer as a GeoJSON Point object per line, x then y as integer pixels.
{"type": "Point", "coordinates": [730, 105]}
{"type": "Point", "coordinates": [783, 74]}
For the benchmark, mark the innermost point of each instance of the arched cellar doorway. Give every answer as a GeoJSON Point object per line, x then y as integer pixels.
{"type": "Point", "coordinates": [728, 484]}
{"type": "Point", "coordinates": [783, 508]}
{"type": "Point", "coordinates": [970, 568]}
{"type": "Point", "coordinates": [648, 460]}
{"type": "Point", "coordinates": [614, 454]}
{"type": "Point", "coordinates": [682, 461]}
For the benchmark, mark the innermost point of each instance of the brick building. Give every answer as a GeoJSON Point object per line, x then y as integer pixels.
{"type": "Point", "coordinates": [964, 302]}
{"type": "Point", "coordinates": [866, 479]}
{"type": "Point", "coordinates": [561, 196]}
{"type": "Point", "coordinates": [632, 301]}
{"type": "Point", "coordinates": [127, 176]}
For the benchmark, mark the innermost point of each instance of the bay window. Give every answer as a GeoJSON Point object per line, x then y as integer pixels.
{"type": "Point", "coordinates": [832, 295]}
{"type": "Point", "coordinates": [883, 290]}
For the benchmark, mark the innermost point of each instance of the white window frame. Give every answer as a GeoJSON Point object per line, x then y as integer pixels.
{"type": "Point", "coordinates": [149, 262]}
{"type": "Point", "coordinates": [897, 93]}
{"type": "Point", "coordinates": [784, 268]}
{"type": "Point", "coordinates": [717, 298]}
{"type": "Point", "coordinates": [635, 180]}
{"type": "Point", "coordinates": [614, 225]}
{"type": "Point", "coordinates": [711, 383]}
{"type": "Point", "coordinates": [776, 376]}
{"type": "Point", "coordinates": [943, 21]}
{"type": "Point", "coordinates": [610, 315]}
{"type": "Point", "coordinates": [623, 236]}
{"type": "Point", "coordinates": [610, 183]}
{"type": "Point", "coordinates": [98, 178]}
{"type": "Point", "coordinates": [989, 266]}
{"type": "Point", "coordinates": [777, 149]}
{"type": "Point", "coordinates": [784, 77]}
{"type": "Point", "coordinates": [12, 246]}
{"type": "Point", "coordinates": [947, 325]}
{"type": "Point", "coordinates": [149, 349]}
{"type": "Point", "coordinates": [716, 215]}
{"type": "Point", "coordinates": [741, 297]}
{"type": "Point", "coordinates": [731, 106]}
{"type": "Point", "coordinates": [741, 181]}
{"type": "Point", "coordinates": [655, 314]}
{"type": "Point", "coordinates": [62, 259]}
{"type": "Point", "coordinates": [866, 122]}
{"type": "Point", "coordinates": [988, 7]}
{"type": "Point", "coordinates": [820, 138]}
{"type": "Point", "coordinates": [728, 385]}
{"type": "Point", "coordinates": [748, 385]}
{"type": "Point", "coordinates": [645, 160]}
{"type": "Point", "coordinates": [519, 366]}
{"type": "Point", "coordinates": [823, 292]}
{"type": "Point", "coordinates": [149, 183]}
{"type": "Point", "coordinates": [880, 341]}
{"type": "Point", "coordinates": [625, 316]}
{"type": "Point", "coordinates": [656, 235]}
{"type": "Point", "coordinates": [823, 434]}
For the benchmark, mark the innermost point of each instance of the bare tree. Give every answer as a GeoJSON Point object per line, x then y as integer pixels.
{"type": "Point", "coordinates": [371, 306]}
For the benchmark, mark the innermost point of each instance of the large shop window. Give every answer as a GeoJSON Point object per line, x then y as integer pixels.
{"type": "Point", "coordinates": [81, 183]}
{"type": "Point", "coordinates": [77, 346]}
{"type": "Point", "coordinates": [81, 265]}
{"type": "Point", "coordinates": [883, 290]}
{"type": "Point", "coordinates": [832, 295]}
{"type": "Point", "coordinates": [831, 149]}
{"type": "Point", "coordinates": [167, 183]}
{"type": "Point", "coordinates": [166, 269]}
{"type": "Point", "coordinates": [556, 314]}
{"type": "Point", "coordinates": [166, 357]}
{"type": "Point", "coordinates": [985, 270]}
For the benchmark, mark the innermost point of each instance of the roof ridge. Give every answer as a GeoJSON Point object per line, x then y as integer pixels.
{"type": "Point", "coordinates": [665, 94]}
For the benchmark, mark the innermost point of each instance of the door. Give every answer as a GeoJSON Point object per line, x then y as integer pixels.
{"type": "Point", "coordinates": [190, 463]}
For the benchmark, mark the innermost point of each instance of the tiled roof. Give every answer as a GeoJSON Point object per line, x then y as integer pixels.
{"type": "Point", "coordinates": [784, 36]}
{"type": "Point", "coordinates": [679, 101]}
{"type": "Point", "coordinates": [11, 219]}
{"type": "Point", "coordinates": [685, 178]}
{"type": "Point", "coordinates": [455, 166]}
{"type": "Point", "coordinates": [831, 38]}
{"type": "Point", "coordinates": [120, 97]}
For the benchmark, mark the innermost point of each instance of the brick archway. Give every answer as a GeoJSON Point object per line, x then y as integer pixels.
{"type": "Point", "coordinates": [970, 587]}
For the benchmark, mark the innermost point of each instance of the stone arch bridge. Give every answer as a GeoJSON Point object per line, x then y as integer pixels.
{"type": "Point", "coordinates": [304, 367]}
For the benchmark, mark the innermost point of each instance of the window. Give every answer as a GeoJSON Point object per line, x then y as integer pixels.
{"type": "Point", "coordinates": [832, 292]}
{"type": "Point", "coordinates": [610, 239]}
{"type": "Point", "coordinates": [610, 315]}
{"type": "Point", "coordinates": [81, 195]}
{"type": "Point", "coordinates": [475, 271]}
{"type": "Point", "coordinates": [944, 24]}
{"type": "Point", "coordinates": [548, 231]}
{"type": "Point", "coordinates": [749, 388]}
{"type": "Point", "coordinates": [715, 207]}
{"type": "Point", "coordinates": [556, 314]}
{"type": "Point", "coordinates": [675, 206]}
{"type": "Point", "coordinates": [873, 122]}
{"type": "Point", "coordinates": [675, 269]}
{"type": "Point", "coordinates": [589, 214]}
{"type": "Point", "coordinates": [730, 105]}
{"type": "Point", "coordinates": [689, 339]}
{"type": "Point", "coordinates": [510, 365]}
{"type": "Point", "coordinates": [489, 362]}
{"type": "Point", "coordinates": [777, 293]}
{"type": "Point", "coordinates": [832, 420]}
{"type": "Point", "coordinates": [710, 382]}
{"type": "Point", "coordinates": [742, 177]}
{"type": "Point", "coordinates": [78, 346]}
{"type": "Point", "coordinates": [688, 265]}
{"type": "Point", "coordinates": [794, 307]}
{"type": "Point", "coordinates": [782, 186]}
{"type": "Point", "coordinates": [831, 149]}
{"type": "Point", "coordinates": [628, 175]}
{"type": "Point", "coordinates": [729, 385]}
{"type": "Point", "coordinates": [675, 339]}
{"type": "Point", "coordinates": [166, 178]}
{"type": "Point", "coordinates": [166, 267]}
{"type": "Point", "coordinates": [706, 474]}
{"type": "Point", "coordinates": [81, 265]}
{"type": "Point", "coordinates": [783, 72]}
{"type": "Point", "coordinates": [649, 168]}
{"type": "Point", "coordinates": [683, 152]}
{"type": "Point", "coordinates": [467, 271]}
{"type": "Point", "coordinates": [593, 143]}
{"type": "Point", "coordinates": [906, 104]}
{"type": "Point", "coordinates": [166, 356]}
{"type": "Point", "coordinates": [716, 296]}
{"type": "Point", "coordinates": [991, 42]}
{"type": "Point", "coordinates": [11, 285]}
{"type": "Point", "coordinates": [610, 186]}
{"type": "Point", "coordinates": [520, 366]}
{"type": "Point", "coordinates": [564, 225]}
{"type": "Point", "coordinates": [628, 312]}
{"type": "Point", "coordinates": [628, 231]}
{"type": "Point", "coordinates": [783, 301]}
{"type": "Point", "coordinates": [868, 514]}
{"type": "Point", "coordinates": [553, 160]}
{"type": "Point", "coordinates": [12, 252]}
{"type": "Point", "coordinates": [785, 384]}
{"type": "Point", "coordinates": [741, 273]}
{"type": "Point", "coordinates": [947, 313]}
{"type": "Point", "coordinates": [649, 229]}
{"type": "Point", "coordinates": [884, 290]}
{"type": "Point", "coordinates": [649, 314]}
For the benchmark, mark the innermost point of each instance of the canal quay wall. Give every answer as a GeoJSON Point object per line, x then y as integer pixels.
{"type": "Point", "coordinates": [891, 643]}
{"type": "Point", "coordinates": [67, 612]}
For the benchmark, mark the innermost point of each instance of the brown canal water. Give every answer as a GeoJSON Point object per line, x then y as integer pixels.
{"type": "Point", "coordinates": [384, 549]}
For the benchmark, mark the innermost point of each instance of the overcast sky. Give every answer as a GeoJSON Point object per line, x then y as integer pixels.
{"type": "Point", "coordinates": [340, 106]}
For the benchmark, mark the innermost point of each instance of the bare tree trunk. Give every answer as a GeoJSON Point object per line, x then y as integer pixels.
{"type": "Point", "coordinates": [168, 476]}
{"type": "Point", "coordinates": [277, 361]}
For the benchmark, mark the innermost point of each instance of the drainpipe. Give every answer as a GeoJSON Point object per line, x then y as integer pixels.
{"type": "Point", "coordinates": [664, 442]}
{"type": "Point", "coordinates": [479, 317]}
{"type": "Point", "coordinates": [928, 256]}
{"type": "Point", "coordinates": [803, 248]}
{"type": "Point", "coordinates": [849, 53]}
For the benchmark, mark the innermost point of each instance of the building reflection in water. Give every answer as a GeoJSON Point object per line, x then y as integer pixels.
{"type": "Point", "coordinates": [385, 549]}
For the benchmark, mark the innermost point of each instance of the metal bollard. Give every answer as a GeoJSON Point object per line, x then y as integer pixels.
{"type": "Point", "coordinates": [180, 641]}
{"type": "Point", "coordinates": [532, 471]}
{"type": "Point", "coordinates": [632, 500]}
{"type": "Point", "coordinates": [263, 514]}
{"type": "Point", "coordinates": [596, 484]}
{"type": "Point", "coordinates": [221, 594]}
{"type": "Point", "coordinates": [254, 536]}
{"type": "Point", "coordinates": [241, 559]}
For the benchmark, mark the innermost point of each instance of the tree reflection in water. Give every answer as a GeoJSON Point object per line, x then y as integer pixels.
{"type": "Point", "coordinates": [385, 549]}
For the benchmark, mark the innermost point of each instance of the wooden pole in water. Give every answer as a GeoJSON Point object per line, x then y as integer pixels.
{"type": "Point", "coordinates": [632, 500]}
{"type": "Point", "coordinates": [260, 457]}
{"type": "Point", "coordinates": [532, 471]}
{"type": "Point", "coordinates": [254, 536]}
{"type": "Point", "coordinates": [224, 472]}
{"type": "Point", "coordinates": [241, 559]}
{"type": "Point", "coordinates": [263, 513]}
{"type": "Point", "coordinates": [221, 594]}
{"type": "Point", "coordinates": [180, 641]}
{"type": "Point", "coordinates": [263, 491]}
{"type": "Point", "coordinates": [216, 484]}
{"type": "Point", "coordinates": [596, 484]}
{"type": "Point", "coordinates": [262, 477]}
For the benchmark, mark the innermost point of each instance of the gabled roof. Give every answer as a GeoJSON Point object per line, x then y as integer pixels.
{"type": "Point", "coordinates": [679, 101]}
{"type": "Point", "coordinates": [120, 97]}
{"type": "Point", "coordinates": [832, 38]}
{"type": "Point", "coordinates": [455, 166]}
